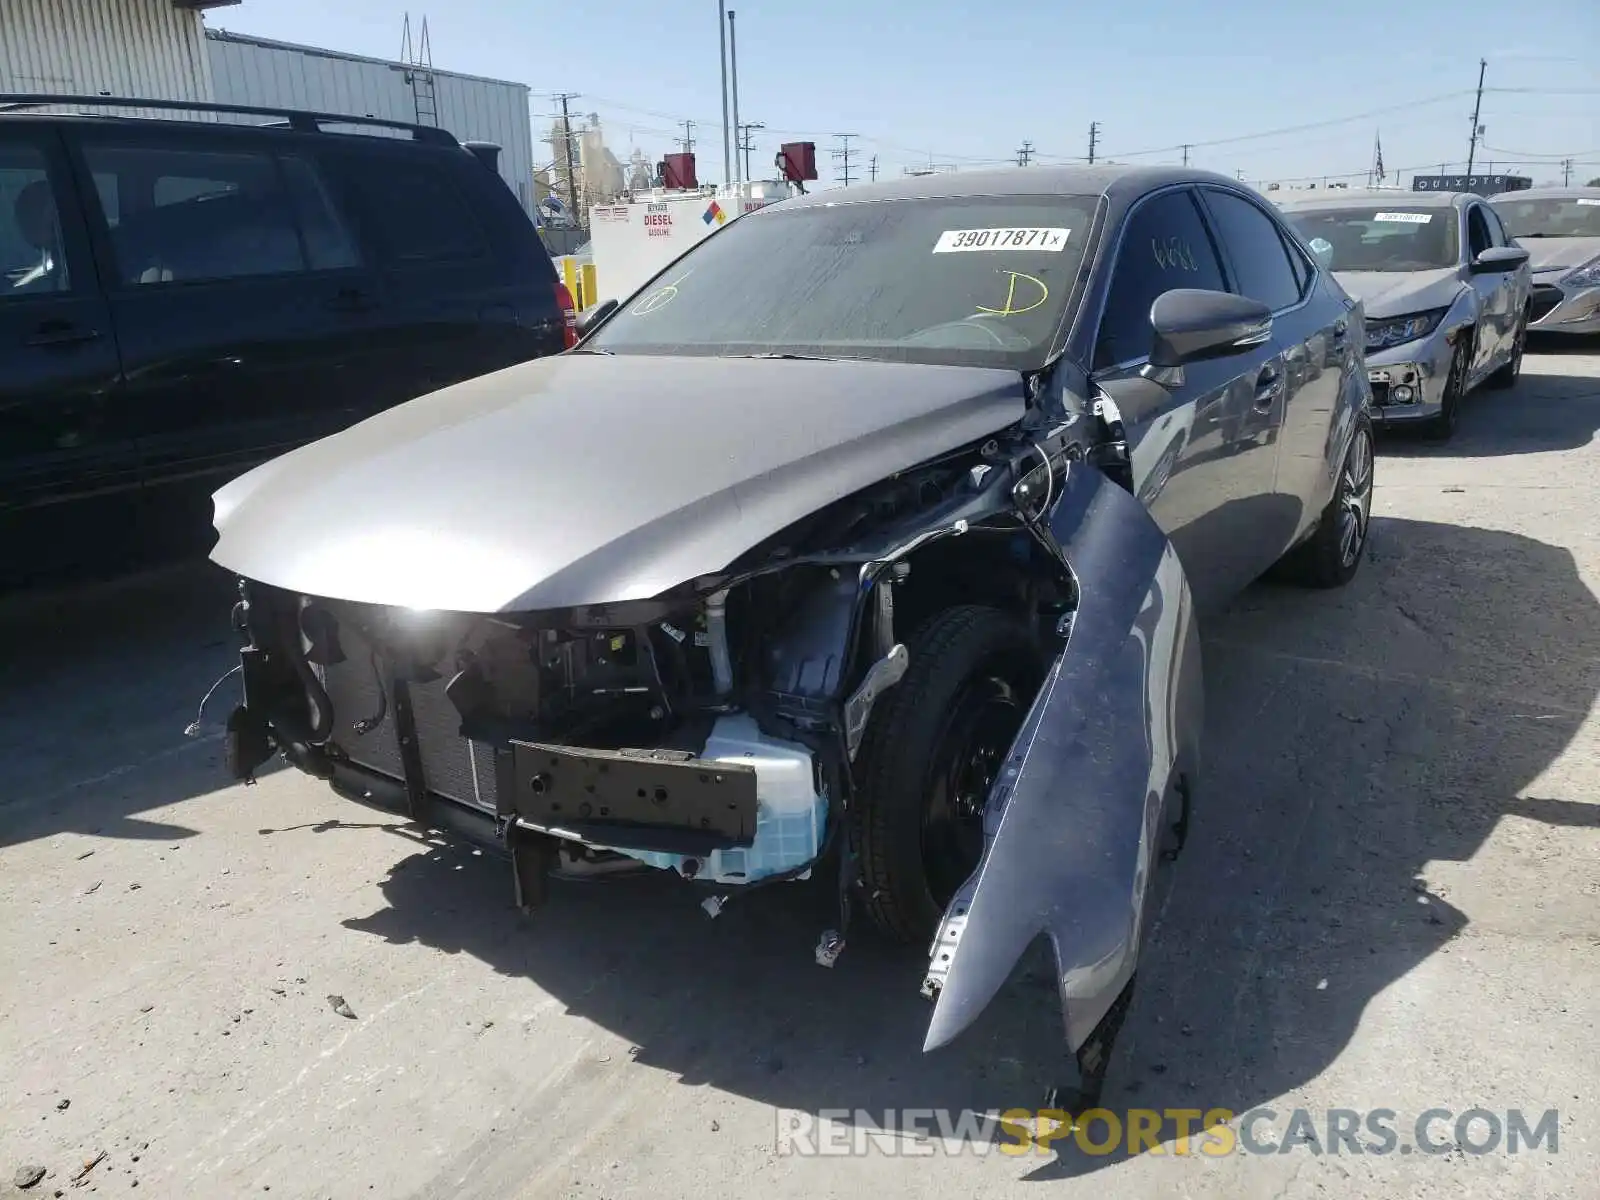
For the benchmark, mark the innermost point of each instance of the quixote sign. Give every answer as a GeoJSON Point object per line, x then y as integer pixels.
{"type": "Point", "coordinates": [1483, 185]}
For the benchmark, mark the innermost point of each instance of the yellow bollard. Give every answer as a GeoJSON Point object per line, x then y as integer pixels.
{"type": "Point", "coordinates": [590, 290]}
{"type": "Point", "coordinates": [569, 275]}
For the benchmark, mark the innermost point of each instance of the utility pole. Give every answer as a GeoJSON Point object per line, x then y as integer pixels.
{"type": "Point", "coordinates": [843, 154]}
{"type": "Point", "coordinates": [1186, 148]}
{"type": "Point", "coordinates": [1094, 139]}
{"type": "Point", "coordinates": [1024, 154]}
{"type": "Point", "coordinates": [1477, 106]}
{"type": "Point", "coordinates": [747, 143]}
{"type": "Point", "coordinates": [687, 140]}
{"type": "Point", "coordinates": [566, 137]}
{"type": "Point", "coordinates": [872, 169]}
{"type": "Point", "coordinates": [733, 74]}
{"type": "Point", "coordinates": [1566, 172]}
{"type": "Point", "coordinates": [722, 45]}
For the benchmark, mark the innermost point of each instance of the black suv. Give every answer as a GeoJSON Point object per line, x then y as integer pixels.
{"type": "Point", "coordinates": [181, 299]}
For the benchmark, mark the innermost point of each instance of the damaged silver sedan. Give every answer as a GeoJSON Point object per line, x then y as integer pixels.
{"type": "Point", "coordinates": [871, 533]}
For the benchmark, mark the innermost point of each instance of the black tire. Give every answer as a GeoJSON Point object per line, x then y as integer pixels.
{"type": "Point", "coordinates": [1443, 427]}
{"type": "Point", "coordinates": [935, 741]}
{"type": "Point", "coordinates": [1325, 560]}
{"type": "Point", "coordinates": [1507, 376]}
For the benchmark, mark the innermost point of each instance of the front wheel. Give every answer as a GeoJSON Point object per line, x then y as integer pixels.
{"type": "Point", "coordinates": [932, 749]}
{"type": "Point", "coordinates": [1443, 427]}
{"type": "Point", "coordinates": [1332, 555]}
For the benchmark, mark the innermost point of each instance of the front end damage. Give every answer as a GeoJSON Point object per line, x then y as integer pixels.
{"type": "Point", "coordinates": [714, 731]}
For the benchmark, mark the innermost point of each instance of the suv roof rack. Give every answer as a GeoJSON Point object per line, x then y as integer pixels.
{"type": "Point", "coordinates": [297, 119]}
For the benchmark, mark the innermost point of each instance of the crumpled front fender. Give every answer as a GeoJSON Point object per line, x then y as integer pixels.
{"type": "Point", "coordinates": [1076, 821]}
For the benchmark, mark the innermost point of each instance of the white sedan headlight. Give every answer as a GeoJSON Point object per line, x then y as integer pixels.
{"type": "Point", "coordinates": [1587, 275]}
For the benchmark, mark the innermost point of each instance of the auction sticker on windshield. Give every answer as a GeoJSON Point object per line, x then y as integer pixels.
{"type": "Point", "coordinates": [1406, 218]}
{"type": "Point", "coordinates": [957, 241]}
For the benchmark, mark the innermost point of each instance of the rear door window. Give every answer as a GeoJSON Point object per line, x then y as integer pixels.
{"type": "Point", "coordinates": [417, 212]}
{"type": "Point", "coordinates": [1165, 245]}
{"type": "Point", "coordinates": [178, 214]}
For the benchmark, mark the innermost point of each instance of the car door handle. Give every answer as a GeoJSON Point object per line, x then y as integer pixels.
{"type": "Point", "coordinates": [60, 333]}
{"type": "Point", "coordinates": [1269, 386]}
{"type": "Point", "coordinates": [351, 300]}
{"type": "Point", "coordinates": [1341, 330]}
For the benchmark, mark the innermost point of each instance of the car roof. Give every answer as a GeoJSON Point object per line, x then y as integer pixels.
{"type": "Point", "coordinates": [1116, 182]}
{"type": "Point", "coordinates": [1550, 193]}
{"type": "Point", "coordinates": [1367, 197]}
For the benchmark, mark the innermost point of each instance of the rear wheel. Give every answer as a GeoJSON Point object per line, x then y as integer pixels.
{"type": "Point", "coordinates": [1332, 555]}
{"type": "Point", "coordinates": [933, 747]}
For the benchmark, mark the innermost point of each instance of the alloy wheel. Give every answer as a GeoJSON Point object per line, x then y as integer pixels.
{"type": "Point", "coordinates": [1355, 497]}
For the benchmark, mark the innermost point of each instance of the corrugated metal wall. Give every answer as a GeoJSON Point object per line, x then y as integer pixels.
{"type": "Point", "coordinates": [246, 70]}
{"type": "Point", "coordinates": [124, 47]}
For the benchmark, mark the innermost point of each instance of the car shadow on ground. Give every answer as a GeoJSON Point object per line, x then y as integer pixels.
{"type": "Point", "coordinates": [120, 668]}
{"type": "Point", "coordinates": [1548, 409]}
{"type": "Point", "coordinates": [1354, 738]}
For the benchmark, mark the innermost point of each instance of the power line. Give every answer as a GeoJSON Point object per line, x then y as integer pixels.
{"type": "Point", "coordinates": [1094, 139]}
{"type": "Point", "coordinates": [687, 140]}
{"type": "Point", "coordinates": [1024, 154]}
{"type": "Point", "coordinates": [872, 169]}
{"type": "Point", "coordinates": [1289, 129]}
{"type": "Point", "coordinates": [843, 154]}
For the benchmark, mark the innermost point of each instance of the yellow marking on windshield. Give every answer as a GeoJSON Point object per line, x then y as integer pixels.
{"type": "Point", "coordinates": [661, 297]}
{"type": "Point", "coordinates": [1010, 309]}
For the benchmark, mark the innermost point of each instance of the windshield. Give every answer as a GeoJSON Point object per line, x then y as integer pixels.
{"type": "Point", "coordinates": [1566, 216]}
{"type": "Point", "coordinates": [975, 280]}
{"type": "Point", "coordinates": [1374, 238]}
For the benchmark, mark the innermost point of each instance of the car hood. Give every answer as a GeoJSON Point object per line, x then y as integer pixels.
{"type": "Point", "coordinates": [1400, 293]}
{"type": "Point", "coordinates": [1559, 254]}
{"type": "Point", "coordinates": [589, 479]}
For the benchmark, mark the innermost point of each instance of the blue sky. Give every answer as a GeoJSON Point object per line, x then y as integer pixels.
{"type": "Point", "coordinates": [967, 83]}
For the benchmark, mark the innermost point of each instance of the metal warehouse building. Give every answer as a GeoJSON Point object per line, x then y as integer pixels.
{"type": "Point", "coordinates": [162, 49]}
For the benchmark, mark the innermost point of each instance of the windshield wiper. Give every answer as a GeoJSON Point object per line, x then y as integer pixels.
{"type": "Point", "coordinates": [590, 350]}
{"type": "Point", "coordinates": [793, 357]}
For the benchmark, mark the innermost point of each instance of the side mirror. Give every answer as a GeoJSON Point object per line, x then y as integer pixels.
{"type": "Point", "coordinates": [1499, 258]}
{"type": "Point", "coordinates": [1191, 325]}
{"type": "Point", "coordinates": [588, 320]}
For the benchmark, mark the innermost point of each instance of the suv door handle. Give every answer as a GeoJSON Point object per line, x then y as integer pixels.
{"type": "Point", "coordinates": [352, 300]}
{"type": "Point", "coordinates": [60, 333]}
{"type": "Point", "coordinates": [1341, 329]}
{"type": "Point", "coordinates": [1269, 386]}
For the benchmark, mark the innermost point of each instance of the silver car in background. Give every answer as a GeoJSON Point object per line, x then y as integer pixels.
{"type": "Point", "coordinates": [1445, 289]}
{"type": "Point", "coordinates": [1560, 228]}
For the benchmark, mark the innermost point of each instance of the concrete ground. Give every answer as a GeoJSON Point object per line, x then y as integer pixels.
{"type": "Point", "coordinates": [1391, 899]}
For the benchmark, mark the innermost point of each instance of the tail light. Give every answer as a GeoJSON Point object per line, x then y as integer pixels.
{"type": "Point", "coordinates": [569, 315]}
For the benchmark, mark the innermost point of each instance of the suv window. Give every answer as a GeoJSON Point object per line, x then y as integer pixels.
{"type": "Point", "coordinates": [183, 215]}
{"type": "Point", "coordinates": [1256, 251]}
{"type": "Point", "coordinates": [328, 240]}
{"type": "Point", "coordinates": [32, 259]}
{"type": "Point", "coordinates": [1164, 246]}
{"type": "Point", "coordinates": [417, 212]}
{"type": "Point", "coordinates": [1478, 238]}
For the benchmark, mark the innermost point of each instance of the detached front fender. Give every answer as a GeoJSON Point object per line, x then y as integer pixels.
{"type": "Point", "coordinates": [1075, 822]}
